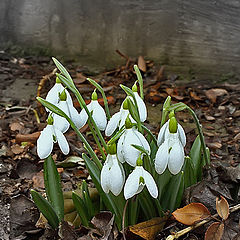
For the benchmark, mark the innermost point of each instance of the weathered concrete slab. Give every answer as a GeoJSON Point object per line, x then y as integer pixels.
{"type": "Point", "coordinates": [203, 35]}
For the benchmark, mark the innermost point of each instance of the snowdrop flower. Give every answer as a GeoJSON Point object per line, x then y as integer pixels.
{"type": "Point", "coordinates": [164, 133]}
{"type": "Point", "coordinates": [171, 151]}
{"type": "Point", "coordinates": [125, 150]}
{"type": "Point", "coordinates": [98, 113]}
{"type": "Point", "coordinates": [136, 182]}
{"type": "Point", "coordinates": [112, 174]}
{"type": "Point", "coordinates": [61, 123]}
{"type": "Point", "coordinates": [48, 137]}
{"type": "Point", "coordinates": [53, 94]}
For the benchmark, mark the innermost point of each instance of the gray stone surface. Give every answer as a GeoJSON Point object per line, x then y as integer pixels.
{"type": "Point", "coordinates": [203, 35]}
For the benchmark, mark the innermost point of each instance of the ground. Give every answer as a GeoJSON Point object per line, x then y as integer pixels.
{"type": "Point", "coordinates": [217, 105]}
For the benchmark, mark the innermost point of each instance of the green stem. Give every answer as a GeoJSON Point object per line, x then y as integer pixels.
{"type": "Point", "coordinates": [200, 132]}
{"type": "Point", "coordinates": [140, 80]}
{"type": "Point", "coordinates": [97, 141]}
{"type": "Point", "coordinates": [150, 133]}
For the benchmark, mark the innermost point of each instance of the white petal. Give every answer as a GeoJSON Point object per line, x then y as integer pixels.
{"type": "Point", "coordinates": [69, 98]}
{"type": "Point", "coordinates": [84, 117]}
{"type": "Point", "coordinates": [120, 148]}
{"type": "Point", "coordinates": [99, 115]}
{"type": "Point", "coordinates": [112, 124]}
{"type": "Point", "coordinates": [141, 107]}
{"type": "Point", "coordinates": [176, 158]}
{"type": "Point", "coordinates": [150, 183]}
{"type": "Point", "coordinates": [117, 177]}
{"type": "Point", "coordinates": [161, 135]}
{"type": "Point", "coordinates": [143, 141]}
{"type": "Point", "coordinates": [105, 178]}
{"type": "Point", "coordinates": [132, 183]}
{"type": "Point", "coordinates": [75, 116]}
{"type": "Point", "coordinates": [123, 115]}
{"type": "Point", "coordinates": [130, 153]}
{"type": "Point", "coordinates": [45, 142]}
{"type": "Point", "coordinates": [181, 135]}
{"type": "Point", "coordinates": [62, 142]}
{"type": "Point", "coordinates": [162, 156]}
{"type": "Point", "coordinates": [52, 95]}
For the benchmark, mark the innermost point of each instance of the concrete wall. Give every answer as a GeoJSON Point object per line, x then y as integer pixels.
{"type": "Point", "coordinates": [204, 35]}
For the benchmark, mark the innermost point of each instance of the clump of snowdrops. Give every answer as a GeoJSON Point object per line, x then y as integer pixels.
{"type": "Point", "coordinates": [138, 176]}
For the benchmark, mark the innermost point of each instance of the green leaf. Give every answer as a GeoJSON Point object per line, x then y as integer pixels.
{"type": "Point", "coordinates": [177, 107]}
{"type": "Point", "coordinates": [62, 69]}
{"type": "Point", "coordinates": [100, 89]}
{"type": "Point", "coordinates": [150, 134]}
{"type": "Point", "coordinates": [81, 209]}
{"type": "Point", "coordinates": [196, 156]}
{"type": "Point", "coordinates": [87, 199]}
{"type": "Point", "coordinates": [116, 136]}
{"type": "Point", "coordinates": [46, 209]}
{"type": "Point", "coordinates": [67, 83]}
{"type": "Point", "coordinates": [108, 199]}
{"type": "Point", "coordinates": [189, 173]}
{"type": "Point", "coordinates": [53, 187]}
{"type": "Point", "coordinates": [170, 198]}
{"type": "Point", "coordinates": [162, 181]}
{"type": "Point", "coordinates": [133, 111]}
{"type": "Point", "coordinates": [140, 80]}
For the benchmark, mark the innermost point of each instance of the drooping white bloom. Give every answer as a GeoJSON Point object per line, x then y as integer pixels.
{"type": "Point", "coordinates": [112, 175]}
{"type": "Point", "coordinates": [136, 182]}
{"type": "Point", "coordinates": [47, 138]}
{"type": "Point", "coordinates": [98, 114]}
{"type": "Point", "coordinates": [171, 154]}
{"type": "Point", "coordinates": [164, 134]}
{"type": "Point", "coordinates": [125, 150]}
{"type": "Point", "coordinates": [141, 107]}
{"type": "Point", "coordinates": [61, 123]}
{"type": "Point", "coordinates": [53, 94]}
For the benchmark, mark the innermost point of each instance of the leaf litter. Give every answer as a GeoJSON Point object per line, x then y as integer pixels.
{"type": "Point", "coordinates": [217, 105]}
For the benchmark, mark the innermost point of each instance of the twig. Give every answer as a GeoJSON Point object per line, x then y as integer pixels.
{"type": "Point", "coordinates": [123, 219]}
{"type": "Point", "coordinates": [190, 228]}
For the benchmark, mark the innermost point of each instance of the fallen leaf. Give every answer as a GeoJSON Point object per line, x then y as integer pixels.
{"type": "Point", "coordinates": [213, 93]}
{"type": "Point", "coordinates": [222, 207]}
{"type": "Point", "coordinates": [142, 64]}
{"type": "Point", "coordinates": [16, 126]}
{"type": "Point", "coordinates": [214, 145]}
{"type": "Point", "coordinates": [191, 213]}
{"type": "Point", "coordinates": [194, 96]}
{"type": "Point", "coordinates": [214, 231]}
{"type": "Point", "coordinates": [149, 229]}
{"type": "Point", "coordinates": [209, 118]}
{"type": "Point", "coordinates": [38, 180]}
{"type": "Point", "coordinates": [16, 149]}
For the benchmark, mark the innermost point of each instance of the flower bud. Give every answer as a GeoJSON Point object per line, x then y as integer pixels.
{"type": "Point", "coordinates": [173, 125]}
{"type": "Point", "coordinates": [94, 95]}
{"type": "Point", "coordinates": [125, 104]}
{"type": "Point", "coordinates": [50, 120]}
{"type": "Point", "coordinates": [134, 87]}
{"type": "Point", "coordinates": [128, 123]}
{"type": "Point", "coordinates": [58, 80]}
{"type": "Point", "coordinates": [63, 96]}
{"type": "Point", "coordinates": [112, 149]}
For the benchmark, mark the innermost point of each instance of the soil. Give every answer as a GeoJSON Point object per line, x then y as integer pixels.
{"type": "Point", "coordinates": [22, 79]}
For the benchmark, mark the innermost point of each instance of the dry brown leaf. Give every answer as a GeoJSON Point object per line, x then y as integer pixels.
{"type": "Point", "coordinates": [38, 180]}
{"type": "Point", "coordinates": [16, 149]}
{"type": "Point", "coordinates": [191, 213]}
{"type": "Point", "coordinates": [142, 64]}
{"type": "Point", "coordinates": [149, 229]}
{"type": "Point", "coordinates": [222, 207]}
{"type": "Point", "coordinates": [16, 126]}
{"type": "Point", "coordinates": [194, 96]}
{"type": "Point", "coordinates": [213, 93]}
{"type": "Point", "coordinates": [214, 231]}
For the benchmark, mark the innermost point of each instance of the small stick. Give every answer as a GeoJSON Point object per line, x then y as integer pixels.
{"type": "Point", "coordinates": [190, 228]}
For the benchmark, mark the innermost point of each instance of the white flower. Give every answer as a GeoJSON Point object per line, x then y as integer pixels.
{"type": "Point", "coordinates": [136, 182]}
{"type": "Point", "coordinates": [164, 134]}
{"type": "Point", "coordinates": [98, 114]}
{"type": "Point", "coordinates": [53, 94]}
{"type": "Point", "coordinates": [61, 123]}
{"type": "Point", "coordinates": [112, 175]}
{"type": "Point", "coordinates": [128, 153]}
{"type": "Point", "coordinates": [171, 154]}
{"type": "Point", "coordinates": [47, 138]}
{"type": "Point", "coordinates": [141, 107]}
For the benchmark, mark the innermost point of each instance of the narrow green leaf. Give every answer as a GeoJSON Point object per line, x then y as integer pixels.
{"type": "Point", "coordinates": [46, 209]}
{"type": "Point", "coordinates": [116, 136]}
{"type": "Point", "coordinates": [81, 209]}
{"type": "Point", "coordinates": [140, 80]}
{"type": "Point", "coordinates": [189, 173]}
{"type": "Point", "coordinates": [67, 83]}
{"type": "Point", "coordinates": [87, 199]}
{"type": "Point", "coordinates": [62, 69]}
{"type": "Point", "coordinates": [100, 89]}
{"type": "Point", "coordinates": [53, 187]}
{"type": "Point", "coordinates": [177, 107]}
{"type": "Point", "coordinates": [150, 134]}
{"type": "Point", "coordinates": [141, 149]}
{"type": "Point", "coordinates": [133, 111]}
{"type": "Point", "coordinates": [162, 182]}
{"type": "Point", "coordinates": [196, 156]}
